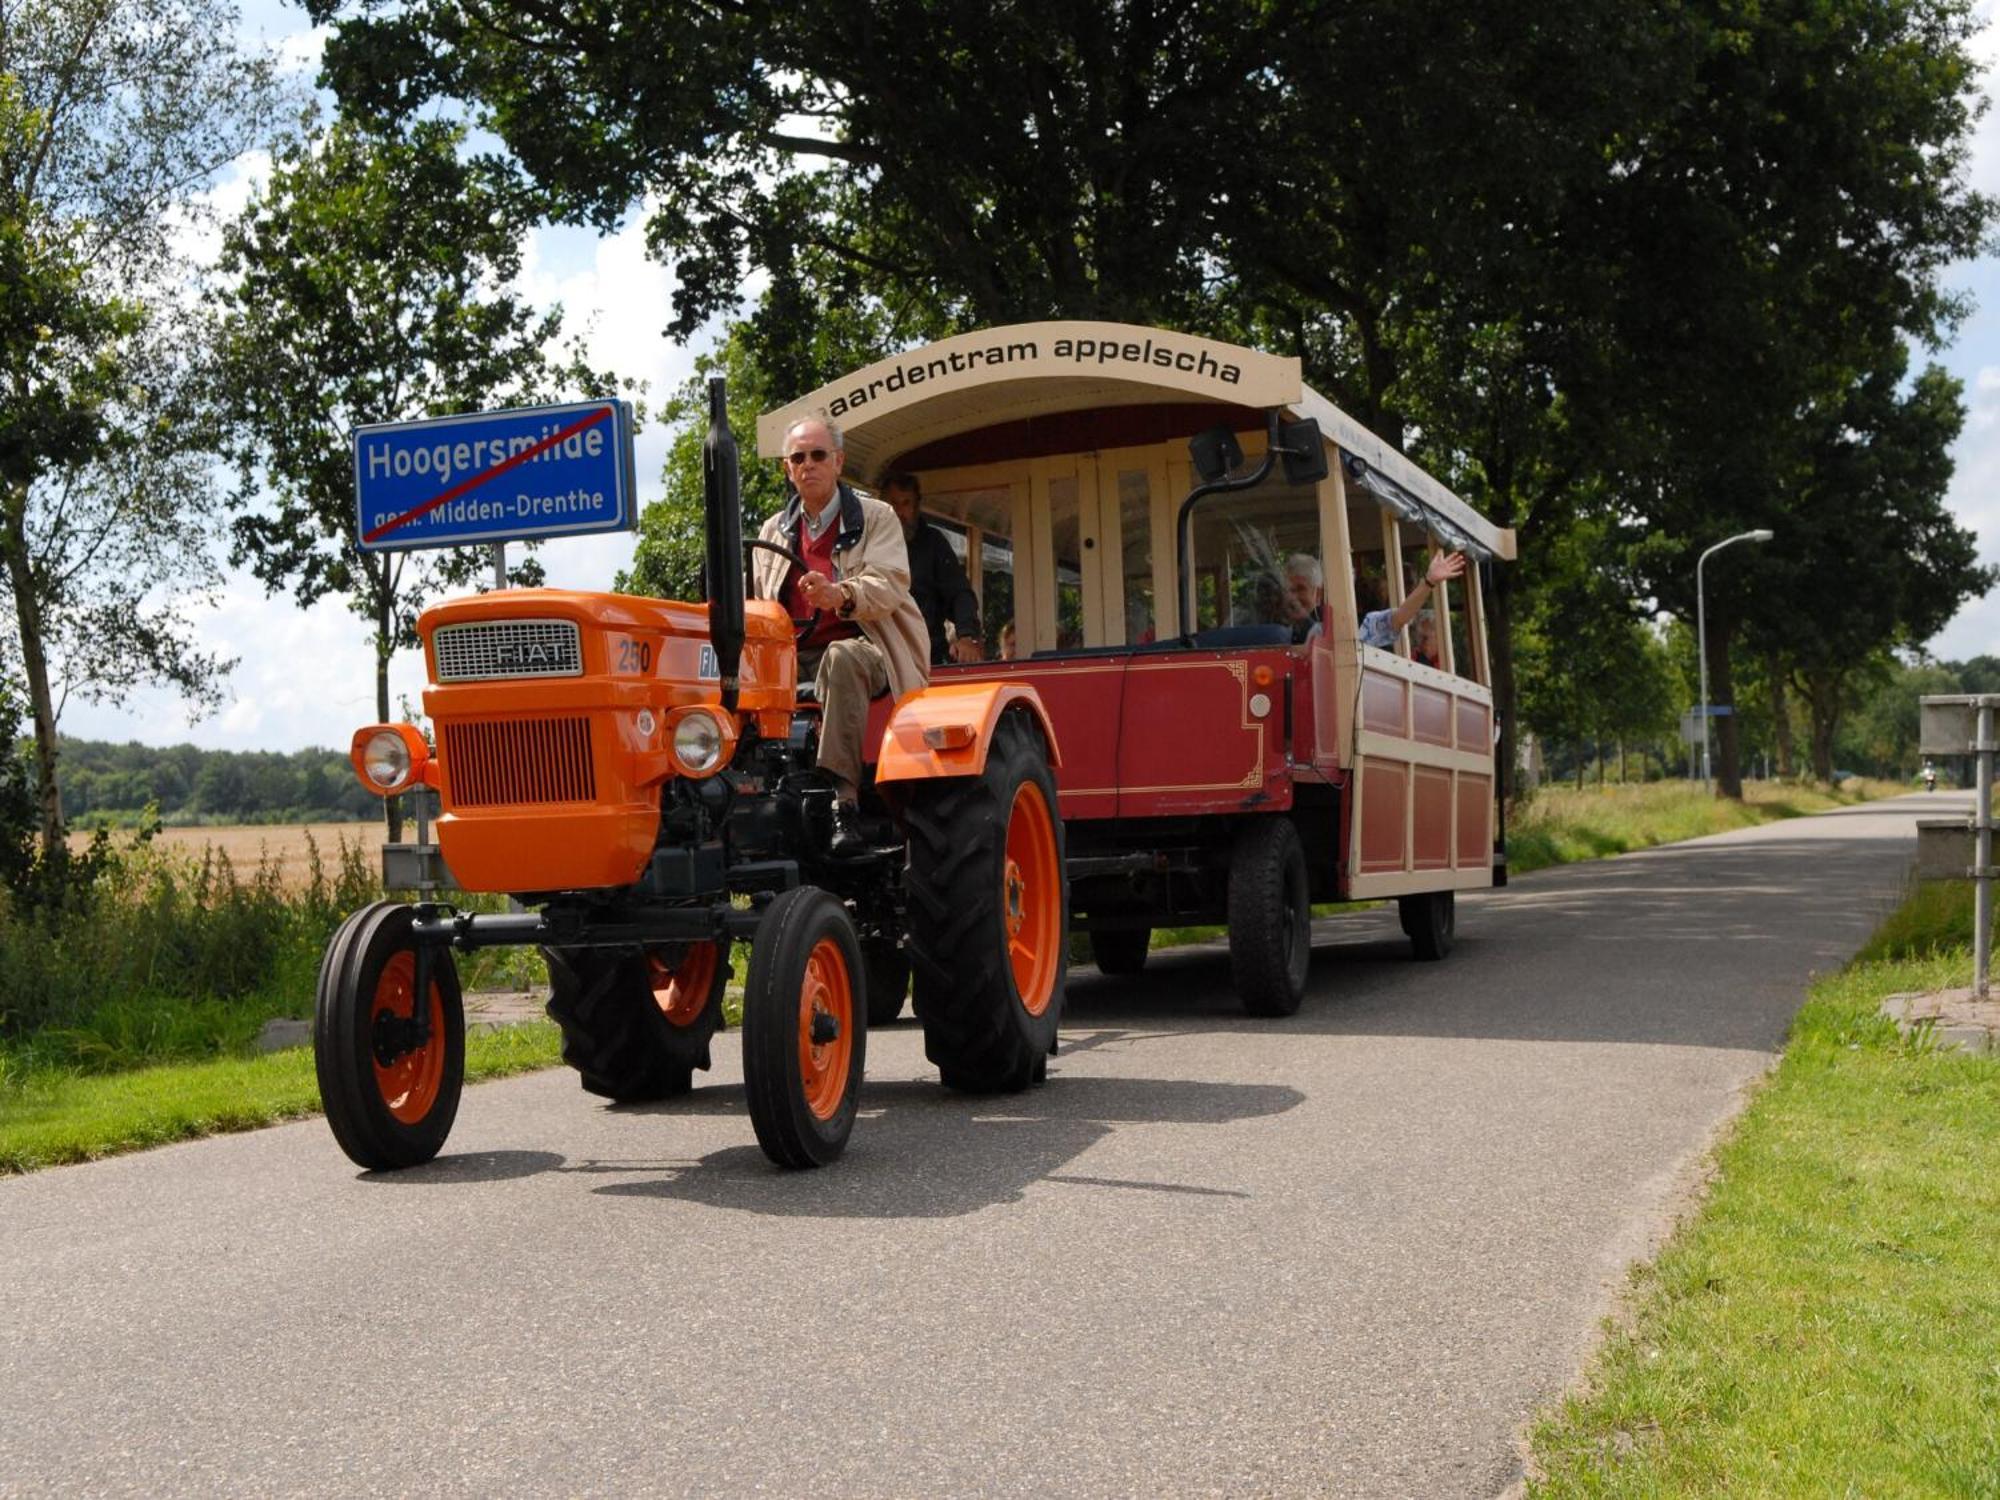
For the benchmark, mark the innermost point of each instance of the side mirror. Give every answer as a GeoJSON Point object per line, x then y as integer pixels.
{"type": "Point", "coordinates": [1305, 452]}
{"type": "Point", "coordinates": [1215, 453]}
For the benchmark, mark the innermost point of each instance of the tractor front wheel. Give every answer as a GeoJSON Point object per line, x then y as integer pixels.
{"type": "Point", "coordinates": [805, 1028]}
{"type": "Point", "coordinates": [389, 1084]}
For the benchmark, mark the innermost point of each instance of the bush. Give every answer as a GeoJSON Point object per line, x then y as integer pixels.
{"type": "Point", "coordinates": [169, 957]}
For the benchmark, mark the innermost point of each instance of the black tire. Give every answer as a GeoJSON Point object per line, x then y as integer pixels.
{"type": "Point", "coordinates": [805, 971]}
{"type": "Point", "coordinates": [636, 1023]}
{"type": "Point", "coordinates": [989, 915]}
{"type": "Point", "coordinates": [1122, 950]}
{"type": "Point", "coordinates": [389, 1105]}
{"type": "Point", "coordinates": [888, 968]}
{"type": "Point", "coordinates": [1270, 917]}
{"type": "Point", "coordinates": [1430, 921]}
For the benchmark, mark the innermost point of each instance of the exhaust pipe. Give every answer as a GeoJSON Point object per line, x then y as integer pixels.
{"type": "Point", "coordinates": [722, 510]}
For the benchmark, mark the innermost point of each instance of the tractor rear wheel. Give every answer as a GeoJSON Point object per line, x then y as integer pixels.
{"type": "Point", "coordinates": [989, 915]}
{"type": "Point", "coordinates": [636, 1023]}
{"type": "Point", "coordinates": [805, 1029]}
{"type": "Point", "coordinates": [1429, 921]}
{"type": "Point", "coordinates": [1270, 917]}
{"type": "Point", "coordinates": [888, 969]}
{"type": "Point", "coordinates": [389, 1097]}
{"type": "Point", "coordinates": [1120, 950]}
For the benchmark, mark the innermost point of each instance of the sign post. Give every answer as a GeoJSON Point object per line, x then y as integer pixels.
{"type": "Point", "coordinates": [1962, 724]}
{"type": "Point", "coordinates": [487, 478]}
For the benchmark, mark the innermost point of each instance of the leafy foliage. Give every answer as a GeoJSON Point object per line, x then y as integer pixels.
{"type": "Point", "coordinates": [114, 114]}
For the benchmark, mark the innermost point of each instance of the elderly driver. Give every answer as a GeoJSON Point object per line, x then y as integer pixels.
{"type": "Point", "coordinates": [867, 635]}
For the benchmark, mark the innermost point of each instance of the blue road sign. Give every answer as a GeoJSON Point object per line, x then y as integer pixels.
{"type": "Point", "coordinates": [494, 476]}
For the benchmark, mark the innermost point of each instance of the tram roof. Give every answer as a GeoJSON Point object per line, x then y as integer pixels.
{"type": "Point", "coordinates": [1029, 371]}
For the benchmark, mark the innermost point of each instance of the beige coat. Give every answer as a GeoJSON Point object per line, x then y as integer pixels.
{"type": "Point", "coordinates": [870, 556]}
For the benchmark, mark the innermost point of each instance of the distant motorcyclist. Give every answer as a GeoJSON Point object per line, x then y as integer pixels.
{"type": "Point", "coordinates": [1930, 777]}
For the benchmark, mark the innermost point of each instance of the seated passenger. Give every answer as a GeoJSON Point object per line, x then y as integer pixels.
{"type": "Point", "coordinates": [1379, 627]}
{"type": "Point", "coordinates": [1304, 594]}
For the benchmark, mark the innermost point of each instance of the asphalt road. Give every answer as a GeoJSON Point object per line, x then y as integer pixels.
{"type": "Point", "coordinates": [1347, 1253]}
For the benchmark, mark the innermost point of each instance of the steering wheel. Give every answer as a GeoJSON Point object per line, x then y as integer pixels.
{"type": "Point", "coordinates": [800, 628]}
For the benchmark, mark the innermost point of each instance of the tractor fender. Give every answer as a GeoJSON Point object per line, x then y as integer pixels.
{"type": "Point", "coordinates": [947, 728]}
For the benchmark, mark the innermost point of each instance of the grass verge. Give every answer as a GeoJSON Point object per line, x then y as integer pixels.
{"type": "Point", "coordinates": [49, 1117]}
{"type": "Point", "coordinates": [1561, 825]}
{"type": "Point", "coordinates": [1829, 1323]}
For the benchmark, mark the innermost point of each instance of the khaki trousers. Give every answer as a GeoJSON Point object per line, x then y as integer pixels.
{"type": "Point", "coordinates": [851, 672]}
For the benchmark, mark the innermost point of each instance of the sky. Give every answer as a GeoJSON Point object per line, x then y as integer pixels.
{"type": "Point", "coordinates": [306, 677]}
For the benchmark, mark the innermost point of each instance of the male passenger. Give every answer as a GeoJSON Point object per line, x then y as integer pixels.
{"type": "Point", "coordinates": [937, 577]}
{"type": "Point", "coordinates": [867, 635]}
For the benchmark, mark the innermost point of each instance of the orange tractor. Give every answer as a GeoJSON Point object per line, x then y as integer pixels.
{"type": "Point", "coordinates": [637, 775]}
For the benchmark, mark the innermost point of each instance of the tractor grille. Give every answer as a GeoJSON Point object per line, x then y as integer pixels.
{"type": "Point", "coordinates": [518, 760]}
{"type": "Point", "coordinates": [508, 648]}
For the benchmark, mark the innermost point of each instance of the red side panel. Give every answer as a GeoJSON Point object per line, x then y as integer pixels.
{"type": "Point", "coordinates": [1384, 706]}
{"type": "Point", "coordinates": [1475, 820]}
{"type": "Point", "coordinates": [1385, 810]}
{"type": "Point", "coordinates": [1475, 727]}
{"type": "Point", "coordinates": [1082, 698]}
{"type": "Point", "coordinates": [1430, 824]}
{"type": "Point", "coordinates": [1430, 715]}
{"type": "Point", "coordinates": [1191, 742]}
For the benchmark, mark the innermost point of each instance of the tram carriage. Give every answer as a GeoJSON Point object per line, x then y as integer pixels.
{"type": "Point", "coordinates": [1117, 498]}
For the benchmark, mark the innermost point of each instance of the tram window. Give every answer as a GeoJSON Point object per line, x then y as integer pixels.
{"type": "Point", "coordinates": [1065, 533]}
{"type": "Point", "coordinates": [996, 591]}
{"type": "Point", "coordinates": [1135, 532]}
{"type": "Point", "coordinates": [1247, 551]}
{"type": "Point", "coordinates": [989, 511]}
{"type": "Point", "coordinates": [1461, 643]}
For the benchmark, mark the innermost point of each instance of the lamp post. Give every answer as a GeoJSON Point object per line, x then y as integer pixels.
{"type": "Point", "coordinates": [1701, 636]}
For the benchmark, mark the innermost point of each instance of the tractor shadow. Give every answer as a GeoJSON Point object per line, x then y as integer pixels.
{"type": "Point", "coordinates": [921, 1152]}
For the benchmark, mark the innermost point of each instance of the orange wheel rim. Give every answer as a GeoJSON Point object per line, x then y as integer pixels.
{"type": "Point", "coordinates": [1031, 898]}
{"type": "Point", "coordinates": [681, 990]}
{"type": "Point", "coordinates": [409, 1085]}
{"type": "Point", "coordinates": [826, 1010]}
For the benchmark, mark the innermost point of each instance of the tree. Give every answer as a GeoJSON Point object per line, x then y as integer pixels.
{"type": "Point", "coordinates": [113, 114]}
{"type": "Point", "coordinates": [361, 286]}
{"type": "Point", "coordinates": [1782, 232]}
{"type": "Point", "coordinates": [1871, 558]}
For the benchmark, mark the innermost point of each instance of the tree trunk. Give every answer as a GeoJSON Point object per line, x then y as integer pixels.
{"type": "Point", "coordinates": [1823, 720]}
{"type": "Point", "coordinates": [1781, 716]}
{"type": "Point", "coordinates": [35, 662]}
{"type": "Point", "coordinates": [1722, 694]}
{"type": "Point", "coordinates": [1498, 597]}
{"type": "Point", "coordinates": [1621, 760]}
{"type": "Point", "coordinates": [1597, 747]}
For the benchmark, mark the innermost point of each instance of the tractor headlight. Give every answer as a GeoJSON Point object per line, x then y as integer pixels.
{"type": "Point", "coordinates": [698, 742]}
{"type": "Point", "coordinates": [387, 759]}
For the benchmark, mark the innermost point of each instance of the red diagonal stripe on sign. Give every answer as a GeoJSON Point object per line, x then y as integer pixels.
{"type": "Point", "coordinates": [513, 461]}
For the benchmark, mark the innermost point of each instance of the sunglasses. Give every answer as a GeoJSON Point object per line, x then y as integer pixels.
{"type": "Point", "coordinates": [815, 455]}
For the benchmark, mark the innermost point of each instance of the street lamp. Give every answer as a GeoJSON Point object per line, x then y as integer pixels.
{"type": "Point", "coordinates": [1701, 635]}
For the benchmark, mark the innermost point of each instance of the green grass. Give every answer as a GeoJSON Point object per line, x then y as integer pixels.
{"type": "Point", "coordinates": [1561, 825]}
{"type": "Point", "coordinates": [1829, 1323]}
{"type": "Point", "coordinates": [51, 1117]}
